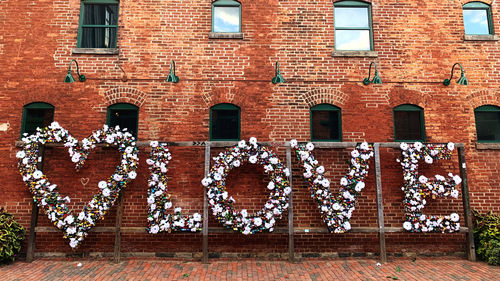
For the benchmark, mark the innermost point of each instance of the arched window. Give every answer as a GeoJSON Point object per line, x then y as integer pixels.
{"type": "Point", "coordinates": [487, 123]}
{"type": "Point", "coordinates": [326, 123]}
{"type": "Point", "coordinates": [224, 122]}
{"type": "Point", "coordinates": [37, 114]}
{"type": "Point", "coordinates": [409, 123]}
{"type": "Point", "coordinates": [477, 19]}
{"type": "Point", "coordinates": [226, 16]}
{"type": "Point", "coordinates": [125, 115]}
{"type": "Point", "coordinates": [353, 26]}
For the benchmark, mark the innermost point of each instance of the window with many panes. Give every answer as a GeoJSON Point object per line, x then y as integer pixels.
{"type": "Point", "coordinates": [224, 122]}
{"type": "Point", "coordinates": [226, 16]}
{"type": "Point", "coordinates": [353, 26]}
{"type": "Point", "coordinates": [487, 123]}
{"type": "Point", "coordinates": [409, 123]}
{"type": "Point", "coordinates": [98, 24]}
{"type": "Point", "coordinates": [477, 19]}
{"type": "Point", "coordinates": [124, 115]}
{"type": "Point", "coordinates": [37, 114]}
{"type": "Point", "coordinates": [326, 123]}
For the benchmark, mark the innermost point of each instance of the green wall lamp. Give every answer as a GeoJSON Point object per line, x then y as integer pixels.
{"type": "Point", "coordinates": [69, 78]}
{"type": "Point", "coordinates": [171, 76]}
{"type": "Point", "coordinates": [461, 81]}
{"type": "Point", "coordinates": [376, 79]}
{"type": "Point", "coordinates": [277, 77]}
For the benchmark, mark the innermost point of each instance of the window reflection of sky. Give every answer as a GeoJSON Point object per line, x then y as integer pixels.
{"type": "Point", "coordinates": [226, 19]}
{"type": "Point", "coordinates": [351, 17]}
{"type": "Point", "coordinates": [346, 19]}
{"type": "Point", "coordinates": [476, 22]}
{"type": "Point", "coordinates": [352, 40]}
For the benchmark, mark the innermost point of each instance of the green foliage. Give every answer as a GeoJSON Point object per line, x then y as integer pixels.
{"type": "Point", "coordinates": [11, 237]}
{"type": "Point", "coordinates": [487, 236]}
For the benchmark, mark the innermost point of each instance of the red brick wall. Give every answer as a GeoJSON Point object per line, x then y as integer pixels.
{"type": "Point", "coordinates": [414, 40]}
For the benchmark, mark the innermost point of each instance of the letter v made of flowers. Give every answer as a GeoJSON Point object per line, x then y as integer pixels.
{"type": "Point", "coordinates": [336, 212]}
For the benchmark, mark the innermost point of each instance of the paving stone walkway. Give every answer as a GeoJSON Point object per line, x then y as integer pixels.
{"type": "Point", "coordinates": [443, 268]}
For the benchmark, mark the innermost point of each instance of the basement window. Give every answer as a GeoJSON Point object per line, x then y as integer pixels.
{"type": "Point", "coordinates": [224, 122]}
{"type": "Point", "coordinates": [125, 115]}
{"type": "Point", "coordinates": [326, 123]}
{"type": "Point", "coordinates": [36, 115]}
{"type": "Point", "coordinates": [487, 123]}
{"type": "Point", "coordinates": [409, 123]}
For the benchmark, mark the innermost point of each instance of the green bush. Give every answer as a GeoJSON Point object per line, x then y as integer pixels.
{"type": "Point", "coordinates": [11, 237]}
{"type": "Point", "coordinates": [487, 237]}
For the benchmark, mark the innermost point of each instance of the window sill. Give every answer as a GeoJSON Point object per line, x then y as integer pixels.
{"type": "Point", "coordinates": [225, 35]}
{"type": "Point", "coordinates": [371, 54]}
{"type": "Point", "coordinates": [489, 37]}
{"type": "Point", "coordinates": [487, 145]}
{"type": "Point", "coordinates": [95, 51]}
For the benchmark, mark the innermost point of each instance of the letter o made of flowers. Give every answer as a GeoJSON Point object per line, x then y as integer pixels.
{"type": "Point", "coordinates": [222, 204]}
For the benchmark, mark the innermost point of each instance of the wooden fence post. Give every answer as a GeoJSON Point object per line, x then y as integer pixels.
{"type": "Point", "coordinates": [380, 204]}
{"type": "Point", "coordinates": [471, 251]}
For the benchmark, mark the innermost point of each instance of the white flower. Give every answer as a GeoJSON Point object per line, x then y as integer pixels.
{"type": "Point", "coordinates": [241, 144]}
{"type": "Point", "coordinates": [270, 185]}
{"type": "Point", "coordinates": [287, 190]}
{"type": "Point", "coordinates": [364, 146]}
{"type": "Point", "coordinates": [150, 200]}
{"type": "Point", "coordinates": [422, 217]}
{"type": "Point", "coordinates": [129, 149]}
{"type": "Point", "coordinates": [71, 230]}
{"type": "Point", "coordinates": [206, 181]}
{"type": "Point", "coordinates": [247, 230]}
{"type": "Point", "coordinates": [457, 179]}
{"type": "Point", "coordinates": [154, 229]}
{"type": "Point", "coordinates": [236, 163]}
{"type": "Point", "coordinates": [73, 243]}
{"type": "Point", "coordinates": [81, 216]}
{"type": "Point", "coordinates": [252, 159]}
{"type": "Point", "coordinates": [450, 146]}
{"type": "Point", "coordinates": [355, 153]}
{"type": "Point", "coordinates": [153, 144]}
{"type": "Point", "coordinates": [454, 193]}
{"type": "Point", "coordinates": [310, 146]}
{"type": "Point", "coordinates": [75, 158]}
{"type": "Point", "coordinates": [320, 170]}
{"type": "Point", "coordinates": [418, 145]}
{"type": "Point", "coordinates": [217, 177]}
{"type": "Point", "coordinates": [454, 217]}
{"type": "Point", "coordinates": [244, 213]}
{"type": "Point", "coordinates": [117, 177]}
{"type": "Point", "coordinates": [224, 195]}
{"type": "Point", "coordinates": [177, 210]}
{"type": "Point", "coordinates": [273, 160]}
{"type": "Point", "coordinates": [69, 219]}
{"type": "Point", "coordinates": [359, 186]}
{"type": "Point", "coordinates": [110, 139]}
{"type": "Point", "coordinates": [407, 225]}
{"type": "Point", "coordinates": [307, 175]}
{"type": "Point", "coordinates": [106, 192]}
{"type": "Point", "coordinates": [336, 206]}
{"type": "Point", "coordinates": [347, 225]}
{"type": "Point", "coordinates": [102, 184]}
{"type": "Point", "coordinates": [287, 172]}
{"type": "Point", "coordinates": [252, 141]}
{"type": "Point", "coordinates": [343, 181]}
{"type": "Point", "coordinates": [403, 146]}
{"type": "Point", "coordinates": [325, 183]}
{"type": "Point", "coordinates": [168, 205]}
{"type": "Point", "coordinates": [132, 175]}
{"type": "Point", "coordinates": [149, 162]}
{"type": "Point", "coordinates": [264, 155]}
{"type": "Point", "coordinates": [257, 221]}
{"type": "Point", "coordinates": [293, 143]}
{"type": "Point", "coordinates": [423, 179]}
{"type": "Point", "coordinates": [20, 154]}
{"type": "Point", "coordinates": [428, 159]}
{"type": "Point", "coordinates": [196, 217]}
{"type": "Point", "coordinates": [37, 174]}
{"type": "Point", "coordinates": [439, 177]}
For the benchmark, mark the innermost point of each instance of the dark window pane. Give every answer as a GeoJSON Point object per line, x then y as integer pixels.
{"type": "Point", "coordinates": [488, 125]}
{"type": "Point", "coordinates": [225, 124]}
{"type": "Point", "coordinates": [98, 37]}
{"type": "Point", "coordinates": [325, 125]}
{"type": "Point", "coordinates": [408, 125]}
{"type": "Point", "coordinates": [35, 117]}
{"type": "Point", "coordinates": [100, 14]}
{"type": "Point", "coordinates": [125, 119]}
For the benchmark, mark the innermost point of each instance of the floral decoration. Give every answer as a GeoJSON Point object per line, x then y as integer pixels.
{"type": "Point", "coordinates": [46, 194]}
{"type": "Point", "coordinates": [336, 212]}
{"type": "Point", "coordinates": [159, 199]}
{"type": "Point", "coordinates": [222, 204]}
{"type": "Point", "coordinates": [417, 187]}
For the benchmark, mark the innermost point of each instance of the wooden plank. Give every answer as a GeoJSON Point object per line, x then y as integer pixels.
{"type": "Point", "coordinates": [291, 245]}
{"type": "Point", "coordinates": [205, 206]}
{"type": "Point", "coordinates": [471, 251]}
{"type": "Point", "coordinates": [117, 230]}
{"type": "Point", "coordinates": [380, 204]}
{"type": "Point", "coordinates": [30, 251]}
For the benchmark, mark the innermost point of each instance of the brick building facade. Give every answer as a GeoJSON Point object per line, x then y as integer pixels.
{"type": "Point", "coordinates": [414, 44]}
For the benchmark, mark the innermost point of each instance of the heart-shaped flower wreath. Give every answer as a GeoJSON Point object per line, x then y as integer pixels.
{"type": "Point", "coordinates": [46, 194]}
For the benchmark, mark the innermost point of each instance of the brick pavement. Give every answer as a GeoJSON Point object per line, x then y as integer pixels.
{"type": "Point", "coordinates": [444, 268]}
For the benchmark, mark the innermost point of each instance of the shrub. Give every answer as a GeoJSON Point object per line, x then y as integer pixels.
{"type": "Point", "coordinates": [11, 237]}
{"type": "Point", "coordinates": [487, 237]}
